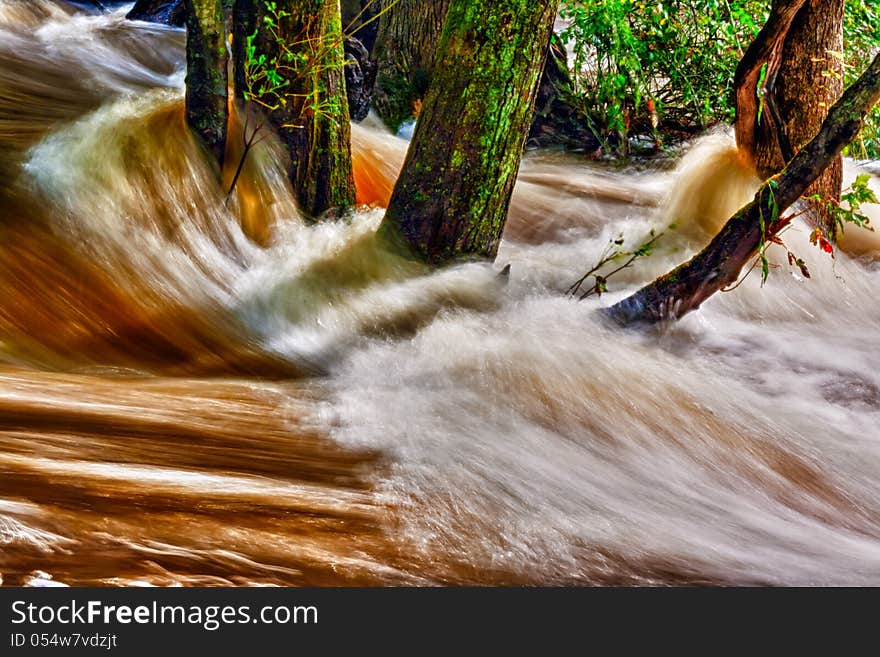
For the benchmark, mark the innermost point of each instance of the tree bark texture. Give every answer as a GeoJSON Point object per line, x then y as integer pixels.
{"type": "Point", "coordinates": [810, 81]}
{"type": "Point", "coordinates": [406, 43]}
{"type": "Point", "coordinates": [801, 81]}
{"type": "Point", "coordinates": [207, 86]}
{"type": "Point", "coordinates": [453, 194]}
{"type": "Point", "coordinates": [718, 265]}
{"type": "Point", "coordinates": [360, 78]}
{"type": "Point", "coordinates": [762, 60]}
{"type": "Point", "coordinates": [310, 112]}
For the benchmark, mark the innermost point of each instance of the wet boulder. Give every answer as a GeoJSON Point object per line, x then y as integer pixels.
{"type": "Point", "coordinates": [360, 78]}
{"type": "Point", "coordinates": [167, 12]}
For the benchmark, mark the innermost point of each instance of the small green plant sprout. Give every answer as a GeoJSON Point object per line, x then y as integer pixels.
{"type": "Point", "coordinates": [769, 230]}
{"type": "Point", "coordinates": [614, 252]}
{"type": "Point", "coordinates": [848, 209]}
{"type": "Point", "coordinates": [271, 80]}
{"type": "Point", "coordinates": [773, 226]}
{"type": "Point", "coordinates": [761, 90]}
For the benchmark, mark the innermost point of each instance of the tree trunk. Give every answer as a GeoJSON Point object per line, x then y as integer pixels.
{"type": "Point", "coordinates": [810, 81]}
{"type": "Point", "coordinates": [754, 77]}
{"type": "Point", "coordinates": [801, 81]}
{"type": "Point", "coordinates": [350, 10]}
{"type": "Point", "coordinates": [719, 264]}
{"type": "Point", "coordinates": [452, 197]}
{"type": "Point", "coordinates": [307, 103]}
{"type": "Point", "coordinates": [207, 86]}
{"type": "Point", "coordinates": [406, 43]}
{"type": "Point", "coordinates": [244, 24]}
{"type": "Point", "coordinates": [404, 50]}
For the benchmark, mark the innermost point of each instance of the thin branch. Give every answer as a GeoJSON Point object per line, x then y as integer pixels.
{"type": "Point", "coordinates": [610, 254]}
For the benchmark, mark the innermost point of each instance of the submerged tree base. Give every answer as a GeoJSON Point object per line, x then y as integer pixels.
{"type": "Point", "coordinates": [451, 199]}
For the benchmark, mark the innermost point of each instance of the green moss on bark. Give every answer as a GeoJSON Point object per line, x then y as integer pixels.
{"type": "Point", "coordinates": [406, 43]}
{"type": "Point", "coordinates": [454, 192]}
{"type": "Point", "coordinates": [207, 87]}
{"type": "Point", "coordinates": [311, 113]}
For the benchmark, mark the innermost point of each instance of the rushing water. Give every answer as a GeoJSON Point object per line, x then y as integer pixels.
{"type": "Point", "coordinates": [195, 394]}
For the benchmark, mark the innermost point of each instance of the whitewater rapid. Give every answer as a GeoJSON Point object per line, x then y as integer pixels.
{"type": "Point", "coordinates": [196, 394]}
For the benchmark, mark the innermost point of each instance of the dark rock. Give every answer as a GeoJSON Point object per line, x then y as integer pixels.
{"type": "Point", "coordinates": [357, 20]}
{"type": "Point", "coordinates": [168, 12]}
{"type": "Point", "coordinates": [360, 78]}
{"type": "Point", "coordinates": [557, 120]}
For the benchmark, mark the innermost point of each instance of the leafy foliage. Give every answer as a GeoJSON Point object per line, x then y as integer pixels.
{"type": "Point", "coordinates": [676, 59]}
{"type": "Point", "coordinates": [848, 209]}
{"type": "Point", "coordinates": [679, 54]}
{"type": "Point", "coordinates": [861, 38]}
{"type": "Point", "coordinates": [272, 74]}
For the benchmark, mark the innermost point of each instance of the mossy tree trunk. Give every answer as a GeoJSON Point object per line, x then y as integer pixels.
{"type": "Point", "coordinates": [406, 43]}
{"type": "Point", "coordinates": [452, 197]}
{"type": "Point", "coordinates": [404, 52]}
{"type": "Point", "coordinates": [244, 24]}
{"type": "Point", "coordinates": [207, 86]}
{"type": "Point", "coordinates": [301, 86]}
{"type": "Point", "coordinates": [801, 80]}
{"type": "Point", "coordinates": [718, 265]}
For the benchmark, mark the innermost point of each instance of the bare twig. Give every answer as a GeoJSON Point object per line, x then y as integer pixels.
{"type": "Point", "coordinates": [612, 253]}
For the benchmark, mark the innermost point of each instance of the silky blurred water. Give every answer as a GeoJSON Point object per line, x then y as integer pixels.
{"type": "Point", "coordinates": [196, 394]}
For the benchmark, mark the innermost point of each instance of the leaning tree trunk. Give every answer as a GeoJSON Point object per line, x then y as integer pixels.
{"type": "Point", "coordinates": [452, 197]}
{"type": "Point", "coordinates": [301, 86]}
{"type": "Point", "coordinates": [719, 264]}
{"type": "Point", "coordinates": [409, 31]}
{"type": "Point", "coordinates": [802, 79]}
{"type": "Point", "coordinates": [207, 86]}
